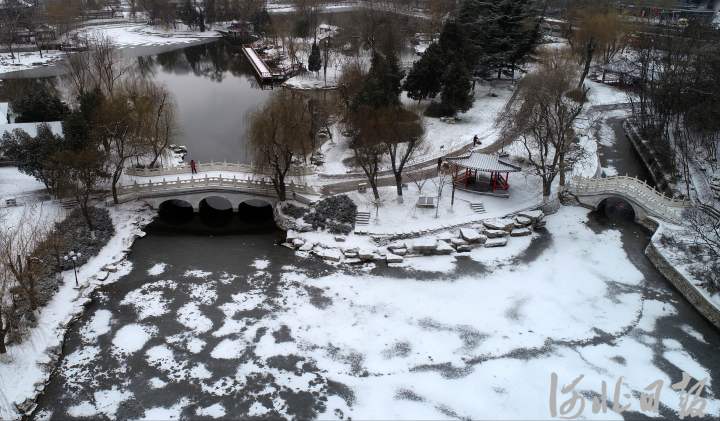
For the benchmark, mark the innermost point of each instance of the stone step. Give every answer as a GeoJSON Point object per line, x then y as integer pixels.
{"type": "Point", "coordinates": [478, 207]}
{"type": "Point", "coordinates": [362, 218]}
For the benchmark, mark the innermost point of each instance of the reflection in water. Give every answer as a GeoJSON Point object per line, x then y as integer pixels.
{"type": "Point", "coordinates": [214, 89]}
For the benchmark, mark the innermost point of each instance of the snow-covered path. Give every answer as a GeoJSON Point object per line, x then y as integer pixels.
{"type": "Point", "coordinates": [235, 327]}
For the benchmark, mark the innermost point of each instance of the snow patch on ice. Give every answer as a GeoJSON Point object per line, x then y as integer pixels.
{"type": "Point", "coordinates": [192, 318]}
{"type": "Point", "coordinates": [98, 325]}
{"type": "Point", "coordinates": [157, 269]}
{"type": "Point", "coordinates": [132, 338]}
{"type": "Point", "coordinates": [157, 383]}
{"type": "Point", "coordinates": [261, 264]}
{"type": "Point", "coordinates": [229, 349]}
{"type": "Point", "coordinates": [149, 300]}
{"type": "Point", "coordinates": [213, 411]}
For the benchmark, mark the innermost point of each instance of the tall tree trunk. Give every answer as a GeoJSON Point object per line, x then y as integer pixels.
{"type": "Point", "coordinates": [589, 51]}
{"type": "Point", "coordinates": [373, 185]}
{"type": "Point", "coordinates": [547, 190]}
{"type": "Point", "coordinates": [398, 183]}
{"type": "Point", "coordinates": [116, 178]}
{"type": "Point", "coordinates": [280, 188]}
{"type": "Point", "coordinates": [3, 333]}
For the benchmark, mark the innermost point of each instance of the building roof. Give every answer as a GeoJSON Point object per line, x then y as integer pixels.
{"type": "Point", "coordinates": [482, 162]}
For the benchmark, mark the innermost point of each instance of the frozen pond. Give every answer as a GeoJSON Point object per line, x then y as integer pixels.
{"type": "Point", "coordinates": [233, 326]}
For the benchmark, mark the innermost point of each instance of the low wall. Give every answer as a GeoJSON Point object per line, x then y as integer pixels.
{"type": "Point", "coordinates": [682, 283]}
{"type": "Point", "coordinates": [647, 155]}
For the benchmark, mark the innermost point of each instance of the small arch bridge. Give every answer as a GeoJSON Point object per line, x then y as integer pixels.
{"type": "Point", "coordinates": [194, 190]}
{"type": "Point", "coordinates": [645, 200]}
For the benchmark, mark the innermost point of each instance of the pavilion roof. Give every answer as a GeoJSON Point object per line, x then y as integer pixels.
{"type": "Point", "coordinates": [475, 160]}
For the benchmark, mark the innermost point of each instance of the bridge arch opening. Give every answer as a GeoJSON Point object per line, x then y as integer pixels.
{"type": "Point", "coordinates": [176, 212]}
{"type": "Point", "coordinates": [215, 211]}
{"type": "Point", "coordinates": [617, 209]}
{"type": "Point", "coordinates": [255, 210]}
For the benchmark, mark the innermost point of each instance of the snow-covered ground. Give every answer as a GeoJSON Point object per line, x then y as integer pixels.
{"type": "Point", "coordinates": [27, 60]}
{"type": "Point", "coordinates": [406, 216]}
{"type": "Point", "coordinates": [132, 35]}
{"type": "Point", "coordinates": [426, 342]}
{"type": "Point", "coordinates": [441, 137]}
{"type": "Point", "coordinates": [125, 35]}
{"type": "Point", "coordinates": [675, 243]}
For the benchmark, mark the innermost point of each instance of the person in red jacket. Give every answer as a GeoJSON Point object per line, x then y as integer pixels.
{"type": "Point", "coordinates": [193, 166]}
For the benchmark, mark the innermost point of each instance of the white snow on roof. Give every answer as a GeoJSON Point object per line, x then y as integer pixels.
{"type": "Point", "coordinates": [32, 128]}
{"type": "Point", "coordinates": [483, 162]}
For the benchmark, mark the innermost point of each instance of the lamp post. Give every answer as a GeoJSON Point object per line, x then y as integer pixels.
{"type": "Point", "coordinates": [72, 256]}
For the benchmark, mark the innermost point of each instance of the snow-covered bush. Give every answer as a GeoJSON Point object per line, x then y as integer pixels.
{"type": "Point", "coordinates": [337, 214]}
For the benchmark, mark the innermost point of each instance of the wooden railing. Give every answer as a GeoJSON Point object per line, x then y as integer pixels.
{"type": "Point", "coordinates": [632, 188]}
{"type": "Point", "coordinates": [231, 167]}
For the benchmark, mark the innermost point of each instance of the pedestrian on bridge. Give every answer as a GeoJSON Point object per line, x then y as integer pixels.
{"type": "Point", "coordinates": [193, 166]}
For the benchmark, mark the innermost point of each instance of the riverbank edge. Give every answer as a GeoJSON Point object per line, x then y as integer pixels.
{"type": "Point", "coordinates": [652, 163]}
{"type": "Point", "coordinates": [129, 222]}
{"type": "Point", "coordinates": [682, 282]}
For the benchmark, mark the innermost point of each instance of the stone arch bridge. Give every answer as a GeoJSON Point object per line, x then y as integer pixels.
{"type": "Point", "coordinates": [195, 190]}
{"type": "Point", "coordinates": [646, 202]}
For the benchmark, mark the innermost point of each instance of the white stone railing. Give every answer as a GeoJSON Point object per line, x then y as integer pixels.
{"type": "Point", "coordinates": [632, 188]}
{"type": "Point", "coordinates": [250, 185]}
{"type": "Point", "coordinates": [230, 167]}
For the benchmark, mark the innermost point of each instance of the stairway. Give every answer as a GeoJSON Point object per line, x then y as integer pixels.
{"type": "Point", "coordinates": [362, 218]}
{"type": "Point", "coordinates": [69, 203]}
{"type": "Point", "coordinates": [478, 207]}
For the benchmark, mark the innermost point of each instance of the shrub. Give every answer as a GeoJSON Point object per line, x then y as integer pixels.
{"type": "Point", "coordinates": [336, 213]}
{"type": "Point", "coordinates": [339, 208]}
{"type": "Point", "coordinates": [438, 109]}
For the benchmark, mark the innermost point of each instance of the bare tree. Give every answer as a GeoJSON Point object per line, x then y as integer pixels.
{"type": "Point", "coordinates": [596, 30]}
{"type": "Point", "coordinates": [85, 170]}
{"type": "Point", "coordinates": [403, 140]}
{"type": "Point", "coordinates": [542, 117]}
{"type": "Point", "coordinates": [63, 15]}
{"type": "Point", "coordinates": [121, 125]}
{"type": "Point", "coordinates": [419, 180]}
{"type": "Point", "coordinates": [367, 125]}
{"type": "Point", "coordinates": [443, 179]}
{"type": "Point", "coordinates": [17, 245]}
{"type": "Point", "coordinates": [275, 136]}
{"type": "Point", "coordinates": [162, 125]}
{"type": "Point", "coordinates": [704, 222]}
{"type": "Point", "coordinates": [10, 23]}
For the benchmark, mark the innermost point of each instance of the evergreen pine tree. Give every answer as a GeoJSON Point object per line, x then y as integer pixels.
{"type": "Point", "coordinates": [501, 32]}
{"type": "Point", "coordinates": [454, 43]}
{"type": "Point", "coordinates": [381, 87]}
{"type": "Point", "coordinates": [425, 78]}
{"type": "Point", "coordinates": [457, 88]}
{"type": "Point", "coordinates": [314, 61]}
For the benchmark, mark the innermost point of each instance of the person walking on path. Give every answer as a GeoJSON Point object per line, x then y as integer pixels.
{"type": "Point", "coordinates": [475, 141]}
{"type": "Point", "coordinates": [193, 166]}
{"type": "Point", "coordinates": [439, 164]}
